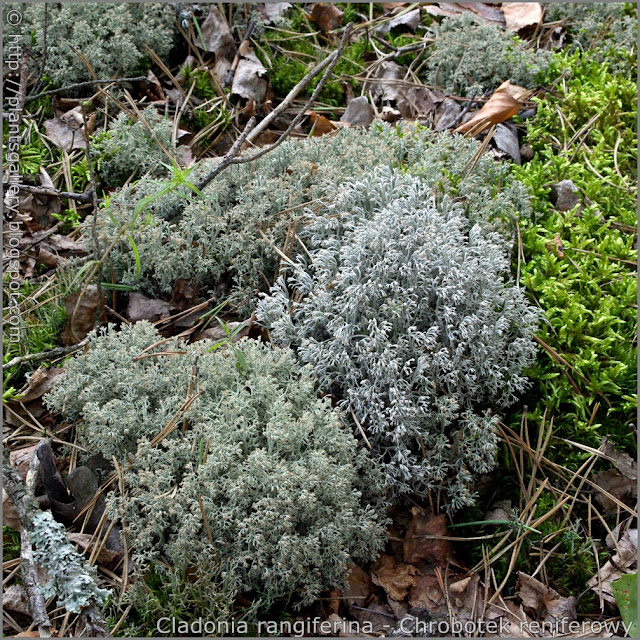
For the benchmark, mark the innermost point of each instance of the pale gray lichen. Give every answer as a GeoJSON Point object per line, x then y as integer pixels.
{"type": "Point", "coordinates": [405, 310]}
{"type": "Point", "coordinates": [128, 148]}
{"type": "Point", "coordinates": [471, 56]}
{"type": "Point", "coordinates": [72, 580]}
{"type": "Point", "coordinates": [226, 243]}
{"type": "Point", "coordinates": [290, 498]}
{"type": "Point", "coordinates": [110, 36]}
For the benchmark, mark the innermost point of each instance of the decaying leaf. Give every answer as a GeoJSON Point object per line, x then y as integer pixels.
{"type": "Point", "coordinates": [395, 578]}
{"type": "Point", "coordinates": [556, 247]}
{"type": "Point", "coordinates": [273, 10]}
{"type": "Point", "coordinates": [40, 382]}
{"type": "Point", "coordinates": [67, 130]}
{"type": "Point", "coordinates": [320, 125]}
{"type": "Point", "coordinates": [617, 485]}
{"type": "Point", "coordinates": [359, 587]}
{"type": "Point", "coordinates": [216, 35]}
{"type": "Point", "coordinates": [446, 114]}
{"type": "Point", "coordinates": [506, 139]}
{"type": "Point", "coordinates": [359, 113]}
{"type": "Point", "coordinates": [9, 514]}
{"type": "Point", "coordinates": [218, 333]}
{"type": "Point", "coordinates": [624, 561]}
{"type": "Point", "coordinates": [623, 462]}
{"type": "Point", "coordinates": [20, 460]}
{"type": "Point", "coordinates": [421, 543]}
{"type": "Point", "coordinates": [411, 20]}
{"type": "Point", "coordinates": [427, 594]}
{"type": "Point", "coordinates": [521, 15]}
{"type": "Point", "coordinates": [505, 103]}
{"type": "Point", "coordinates": [87, 543]}
{"type": "Point", "coordinates": [14, 598]}
{"type": "Point", "coordinates": [142, 308]}
{"type": "Point", "coordinates": [80, 322]}
{"type": "Point", "coordinates": [248, 81]}
{"type": "Point", "coordinates": [545, 603]}
{"type": "Point", "coordinates": [327, 16]}
{"type": "Point", "coordinates": [183, 295]}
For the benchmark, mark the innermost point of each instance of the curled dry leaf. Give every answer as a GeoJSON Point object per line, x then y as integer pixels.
{"type": "Point", "coordinates": [67, 131]}
{"type": "Point", "coordinates": [216, 35]}
{"type": "Point", "coordinates": [87, 543]}
{"type": "Point", "coordinates": [617, 485]}
{"type": "Point", "coordinates": [80, 322]}
{"type": "Point", "coordinates": [15, 598]}
{"type": "Point", "coordinates": [359, 587]}
{"type": "Point", "coordinates": [623, 462]}
{"type": "Point", "coordinates": [248, 81]}
{"type": "Point", "coordinates": [505, 103]}
{"type": "Point", "coordinates": [521, 15]}
{"type": "Point", "coordinates": [556, 247]}
{"type": "Point", "coordinates": [411, 20]}
{"type": "Point", "coordinates": [395, 578]}
{"type": "Point", "coordinates": [320, 125]}
{"type": "Point", "coordinates": [624, 561]}
{"type": "Point", "coordinates": [327, 16]}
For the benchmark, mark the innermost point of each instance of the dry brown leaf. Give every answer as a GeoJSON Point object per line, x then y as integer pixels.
{"type": "Point", "coordinates": [84, 541]}
{"type": "Point", "coordinates": [67, 131]}
{"type": "Point", "coordinates": [153, 88]}
{"type": "Point", "coordinates": [505, 103]}
{"type": "Point", "coordinates": [248, 80]}
{"type": "Point", "coordinates": [79, 326]}
{"type": "Point", "coordinates": [320, 125]}
{"type": "Point", "coordinates": [624, 561]}
{"type": "Point", "coordinates": [419, 549]}
{"type": "Point", "coordinates": [9, 514]}
{"type": "Point", "coordinates": [556, 247]}
{"type": "Point", "coordinates": [520, 15]}
{"type": "Point", "coordinates": [216, 35]}
{"type": "Point", "coordinates": [427, 594]}
{"type": "Point", "coordinates": [359, 113]}
{"type": "Point", "coordinates": [327, 16]}
{"type": "Point", "coordinates": [623, 462]}
{"type": "Point", "coordinates": [447, 113]}
{"type": "Point", "coordinates": [15, 598]}
{"type": "Point", "coordinates": [617, 485]}
{"type": "Point", "coordinates": [21, 459]}
{"type": "Point", "coordinates": [395, 578]}
{"type": "Point", "coordinates": [218, 333]}
{"type": "Point", "coordinates": [183, 295]}
{"type": "Point", "coordinates": [359, 587]}
{"type": "Point", "coordinates": [41, 382]}
{"type": "Point", "coordinates": [544, 602]}
{"type": "Point", "coordinates": [411, 20]}
{"type": "Point", "coordinates": [142, 308]}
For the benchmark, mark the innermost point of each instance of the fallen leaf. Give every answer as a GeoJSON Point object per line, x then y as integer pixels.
{"type": "Point", "coordinates": [62, 243]}
{"type": "Point", "coordinates": [320, 125]}
{"type": "Point", "coordinates": [395, 578]}
{"type": "Point", "coordinates": [547, 603]}
{"type": "Point", "coordinates": [420, 548]}
{"type": "Point", "coordinates": [359, 587]}
{"type": "Point", "coordinates": [501, 510]}
{"type": "Point", "coordinates": [427, 594]}
{"type": "Point", "coordinates": [624, 561]}
{"type": "Point", "coordinates": [248, 81]}
{"type": "Point", "coordinates": [411, 19]}
{"type": "Point", "coordinates": [216, 35]}
{"type": "Point", "coordinates": [359, 113]}
{"type": "Point", "coordinates": [14, 598]}
{"type": "Point", "coordinates": [327, 16]}
{"type": "Point", "coordinates": [389, 114]}
{"type": "Point", "coordinates": [10, 516]}
{"type": "Point", "coordinates": [556, 247]}
{"type": "Point", "coordinates": [623, 462]}
{"type": "Point", "coordinates": [505, 103]}
{"type": "Point", "coordinates": [446, 114]}
{"type": "Point", "coordinates": [45, 257]}
{"type": "Point", "coordinates": [506, 139]}
{"type": "Point", "coordinates": [153, 88]}
{"type": "Point", "coordinates": [142, 308]}
{"type": "Point", "coordinates": [387, 86]}
{"type": "Point", "coordinates": [87, 544]}
{"type": "Point", "coordinates": [79, 325]}
{"type": "Point", "coordinates": [21, 459]}
{"type": "Point", "coordinates": [274, 10]}
{"type": "Point", "coordinates": [67, 131]}
{"type": "Point", "coordinates": [40, 382]}
{"type": "Point", "coordinates": [218, 333]}
{"type": "Point", "coordinates": [520, 15]}
{"type": "Point", "coordinates": [183, 295]}
{"type": "Point", "coordinates": [614, 483]}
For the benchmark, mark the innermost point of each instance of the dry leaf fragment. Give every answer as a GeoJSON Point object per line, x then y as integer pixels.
{"type": "Point", "coordinates": [15, 598]}
{"type": "Point", "coordinates": [84, 541]}
{"type": "Point", "coordinates": [411, 20]}
{"type": "Point", "coordinates": [359, 113]}
{"type": "Point", "coordinates": [426, 594]}
{"type": "Point", "coordinates": [320, 124]}
{"type": "Point", "coordinates": [505, 103]}
{"type": "Point", "coordinates": [625, 561]}
{"type": "Point", "coordinates": [520, 15]}
{"type": "Point", "coordinates": [396, 579]}
{"type": "Point", "coordinates": [10, 516]}
{"type": "Point", "coordinates": [327, 16]}
{"type": "Point", "coordinates": [216, 35]}
{"type": "Point", "coordinates": [547, 603]}
{"type": "Point", "coordinates": [67, 131]}
{"type": "Point", "coordinates": [556, 247]}
{"type": "Point", "coordinates": [248, 80]}
{"type": "Point", "coordinates": [623, 462]}
{"type": "Point", "coordinates": [614, 483]}
{"type": "Point", "coordinates": [80, 322]}
{"type": "Point", "coordinates": [360, 587]}
{"type": "Point", "coordinates": [506, 139]}
{"type": "Point", "coordinates": [142, 308]}
{"type": "Point", "coordinates": [419, 547]}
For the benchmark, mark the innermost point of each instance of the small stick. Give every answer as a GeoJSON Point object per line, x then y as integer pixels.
{"type": "Point", "coordinates": [88, 83]}
{"type": "Point", "coordinates": [52, 354]}
{"type": "Point", "coordinates": [82, 198]}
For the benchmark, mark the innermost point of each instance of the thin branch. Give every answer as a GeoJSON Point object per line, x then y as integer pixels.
{"type": "Point", "coordinates": [88, 83]}
{"type": "Point", "coordinates": [21, 495]}
{"type": "Point", "coordinates": [58, 352]}
{"type": "Point", "coordinates": [82, 198]}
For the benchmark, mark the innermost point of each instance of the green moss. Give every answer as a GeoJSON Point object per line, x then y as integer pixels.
{"type": "Point", "coordinates": [589, 293]}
